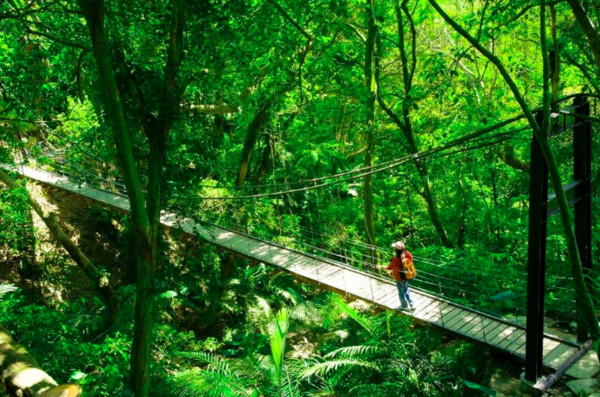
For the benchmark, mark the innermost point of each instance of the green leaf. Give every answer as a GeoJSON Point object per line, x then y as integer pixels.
{"type": "Point", "coordinates": [483, 389]}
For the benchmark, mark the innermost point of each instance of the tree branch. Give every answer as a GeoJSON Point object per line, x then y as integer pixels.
{"type": "Point", "coordinates": [59, 40]}
{"type": "Point", "coordinates": [588, 29]}
{"type": "Point", "coordinates": [291, 20]}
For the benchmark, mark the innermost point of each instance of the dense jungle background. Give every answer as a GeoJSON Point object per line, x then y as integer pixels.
{"type": "Point", "coordinates": [332, 127]}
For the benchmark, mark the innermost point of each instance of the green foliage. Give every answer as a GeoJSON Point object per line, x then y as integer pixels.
{"type": "Point", "coordinates": [69, 343]}
{"type": "Point", "coordinates": [16, 229]}
{"type": "Point", "coordinates": [246, 54]}
{"type": "Point", "coordinates": [71, 352]}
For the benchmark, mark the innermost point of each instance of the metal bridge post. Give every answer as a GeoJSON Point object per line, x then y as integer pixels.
{"type": "Point", "coordinates": [536, 266]}
{"type": "Point", "coordinates": [582, 153]}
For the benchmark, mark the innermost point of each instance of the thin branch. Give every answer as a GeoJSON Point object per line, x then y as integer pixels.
{"type": "Point", "coordinates": [355, 30]}
{"type": "Point", "coordinates": [291, 20]}
{"type": "Point", "coordinates": [487, 3]}
{"type": "Point", "coordinates": [59, 40]}
{"type": "Point", "coordinates": [522, 12]}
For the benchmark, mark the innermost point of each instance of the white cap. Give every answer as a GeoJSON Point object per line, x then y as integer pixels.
{"type": "Point", "coordinates": [399, 245]}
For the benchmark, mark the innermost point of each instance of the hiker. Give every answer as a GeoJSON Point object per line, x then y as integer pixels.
{"type": "Point", "coordinates": [402, 270]}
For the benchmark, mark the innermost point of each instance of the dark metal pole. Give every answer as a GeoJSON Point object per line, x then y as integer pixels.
{"type": "Point", "coordinates": [536, 266]}
{"type": "Point", "coordinates": [582, 156]}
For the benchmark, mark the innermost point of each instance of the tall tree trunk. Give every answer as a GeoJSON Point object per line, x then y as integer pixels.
{"type": "Point", "coordinates": [371, 85]}
{"type": "Point", "coordinates": [93, 10]}
{"type": "Point", "coordinates": [145, 215]}
{"type": "Point", "coordinates": [265, 164]}
{"type": "Point", "coordinates": [554, 56]}
{"type": "Point", "coordinates": [101, 283]}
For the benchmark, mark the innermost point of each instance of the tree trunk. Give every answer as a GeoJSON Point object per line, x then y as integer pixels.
{"type": "Point", "coordinates": [554, 56]}
{"type": "Point", "coordinates": [588, 29]}
{"type": "Point", "coordinates": [93, 11]}
{"type": "Point", "coordinates": [265, 164]}
{"type": "Point", "coordinates": [145, 215]}
{"type": "Point", "coordinates": [260, 118]}
{"type": "Point", "coordinates": [371, 85]}
{"type": "Point", "coordinates": [100, 282]}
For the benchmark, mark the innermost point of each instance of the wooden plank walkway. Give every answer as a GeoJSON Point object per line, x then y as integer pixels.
{"type": "Point", "coordinates": [476, 326]}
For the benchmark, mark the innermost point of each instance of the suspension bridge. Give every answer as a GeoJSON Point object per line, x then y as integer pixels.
{"type": "Point", "coordinates": [341, 277]}
{"type": "Point", "coordinates": [345, 275]}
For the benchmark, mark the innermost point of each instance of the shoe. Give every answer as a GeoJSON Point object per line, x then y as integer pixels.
{"type": "Point", "coordinates": [402, 308]}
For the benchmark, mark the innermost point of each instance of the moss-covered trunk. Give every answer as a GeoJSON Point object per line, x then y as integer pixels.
{"type": "Point", "coordinates": [145, 214]}
{"type": "Point", "coordinates": [369, 136]}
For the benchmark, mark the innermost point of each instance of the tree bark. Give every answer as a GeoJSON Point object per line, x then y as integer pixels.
{"type": "Point", "coordinates": [145, 214]}
{"type": "Point", "coordinates": [101, 283]}
{"type": "Point", "coordinates": [371, 85]}
{"type": "Point", "coordinates": [260, 119]}
{"type": "Point", "coordinates": [588, 29]}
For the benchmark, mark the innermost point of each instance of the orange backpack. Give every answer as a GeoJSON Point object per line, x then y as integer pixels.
{"type": "Point", "coordinates": [409, 267]}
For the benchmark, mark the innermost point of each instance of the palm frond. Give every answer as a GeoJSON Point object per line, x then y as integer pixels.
{"type": "Point", "coordinates": [366, 322]}
{"type": "Point", "coordinates": [277, 337]}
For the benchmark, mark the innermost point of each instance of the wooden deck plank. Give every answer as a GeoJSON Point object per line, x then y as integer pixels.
{"type": "Point", "coordinates": [482, 326]}
{"type": "Point", "coordinates": [518, 338]}
{"type": "Point", "coordinates": [558, 355]}
{"type": "Point", "coordinates": [457, 320]}
{"type": "Point", "coordinates": [446, 314]}
{"type": "Point", "coordinates": [380, 291]}
{"type": "Point", "coordinates": [391, 300]}
{"type": "Point", "coordinates": [427, 313]}
{"type": "Point", "coordinates": [463, 323]}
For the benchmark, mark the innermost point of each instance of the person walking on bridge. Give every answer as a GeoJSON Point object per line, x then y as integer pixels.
{"type": "Point", "coordinates": [402, 270]}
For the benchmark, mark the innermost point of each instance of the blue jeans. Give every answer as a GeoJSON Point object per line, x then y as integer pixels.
{"type": "Point", "coordinates": [403, 294]}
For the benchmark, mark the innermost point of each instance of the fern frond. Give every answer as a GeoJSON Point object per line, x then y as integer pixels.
{"type": "Point", "coordinates": [323, 368]}
{"type": "Point", "coordinates": [264, 305]}
{"type": "Point", "coordinates": [200, 383]}
{"type": "Point", "coordinates": [215, 362]}
{"type": "Point", "coordinates": [352, 351]}
{"type": "Point", "coordinates": [365, 322]}
{"type": "Point", "coordinates": [7, 288]}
